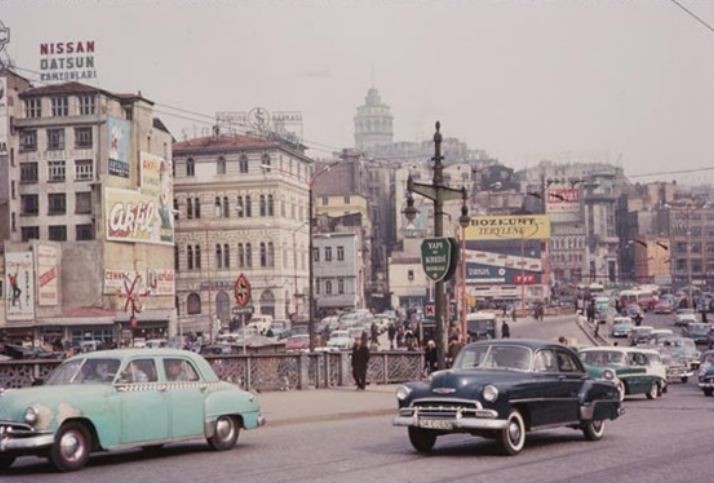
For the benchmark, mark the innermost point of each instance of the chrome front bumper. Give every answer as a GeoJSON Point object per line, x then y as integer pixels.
{"type": "Point", "coordinates": [20, 436]}
{"type": "Point", "coordinates": [706, 385]}
{"type": "Point", "coordinates": [437, 416]}
{"type": "Point", "coordinates": [455, 423]}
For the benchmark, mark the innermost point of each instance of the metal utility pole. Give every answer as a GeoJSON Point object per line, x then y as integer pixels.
{"type": "Point", "coordinates": [311, 257]}
{"type": "Point", "coordinates": [438, 193]}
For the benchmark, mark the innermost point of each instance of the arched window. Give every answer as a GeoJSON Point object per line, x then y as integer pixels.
{"type": "Point", "coordinates": [226, 207]}
{"type": "Point", "coordinates": [262, 205]}
{"type": "Point", "coordinates": [267, 303]}
{"type": "Point", "coordinates": [193, 304]}
{"type": "Point", "coordinates": [239, 207]}
{"type": "Point", "coordinates": [226, 256]}
{"type": "Point", "coordinates": [219, 256]}
{"type": "Point", "coordinates": [177, 305]}
{"type": "Point", "coordinates": [263, 255]}
{"type": "Point", "coordinates": [217, 206]}
{"type": "Point", "coordinates": [176, 208]}
{"type": "Point", "coordinates": [197, 207]}
{"type": "Point", "coordinates": [241, 256]}
{"type": "Point", "coordinates": [189, 208]}
{"type": "Point", "coordinates": [190, 167]}
{"type": "Point", "coordinates": [248, 256]}
{"type": "Point", "coordinates": [265, 162]}
{"type": "Point", "coordinates": [221, 165]}
{"type": "Point", "coordinates": [176, 257]}
{"type": "Point", "coordinates": [248, 207]}
{"type": "Point", "coordinates": [243, 164]}
{"type": "Point", "coordinates": [271, 254]}
{"type": "Point", "coordinates": [271, 206]}
{"type": "Point", "coordinates": [189, 257]}
{"type": "Point", "coordinates": [197, 256]}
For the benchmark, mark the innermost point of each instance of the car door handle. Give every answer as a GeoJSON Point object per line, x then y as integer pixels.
{"type": "Point", "coordinates": [203, 388]}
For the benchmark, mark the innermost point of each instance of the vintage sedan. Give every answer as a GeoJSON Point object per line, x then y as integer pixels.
{"type": "Point", "coordinates": [115, 399]}
{"type": "Point", "coordinates": [621, 327]}
{"type": "Point", "coordinates": [503, 389]}
{"type": "Point", "coordinates": [633, 370]}
{"type": "Point", "coordinates": [706, 373]}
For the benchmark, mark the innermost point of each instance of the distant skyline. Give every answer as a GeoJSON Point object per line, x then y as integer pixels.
{"type": "Point", "coordinates": [524, 81]}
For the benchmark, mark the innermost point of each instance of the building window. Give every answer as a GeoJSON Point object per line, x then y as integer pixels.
{"type": "Point", "coordinates": [193, 304]}
{"type": "Point", "coordinates": [248, 256]}
{"type": "Point", "coordinates": [328, 254]}
{"type": "Point", "coordinates": [410, 275]}
{"type": "Point", "coordinates": [29, 204]}
{"type": "Point", "coordinates": [189, 257]}
{"type": "Point", "coordinates": [84, 232]}
{"type": "Point", "coordinates": [219, 256]}
{"type": "Point", "coordinates": [83, 203]}
{"type": "Point", "coordinates": [317, 286]}
{"type": "Point", "coordinates": [325, 200]}
{"type": "Point", "coordinates": [82, 137]}
{"type": "Point", "coordinates": [58, 233]}
{"type": "Point", "coordinates": [243, 164]}
{"type": "Point", "coordinates": [248, 207]}
{"type": "Point", "coordinates": [221, 165]}
{"type": "Point", "coordinates": [55, 139]}
{"type": "Point", "coordinates": [217, 206]}
{"type": "Point", "coordinates": [197, 207]}
{"type": "Point", "coordinates": [271, 207]}
{"type": "Point", "coordinates": [28, 140]}
{"type": "Point", "coordinates": [271, 254]}
{"type": "Point", "coordinates": [346, 200]}
{"type": "Point", "coordinates": [60, 106]}
{"type": "Point", "coordinates": [28, 173]}
{"type": "Point", "coordinates": [282, 208]}
{"type": "Point", "coordinates": [262, 205]}
{"type": "Point", "coordinates": [241, 256]}
{"type": "Point", "coordinates": [176, 257]}
{"type": "Point", "coordinates": [33, 107]}
{"type": "Point", "coordinates": [87, 105]}
{"type": "Point", "coordinates": [30, 233]}
{"type": "Point", "coordinates": [340, 286]}
{"type": "Point", "coordinates": [263, 255]}
{"type": "Point", "coordinates": [340, 253]}
{"type": "Point", "coordinates": [226, 256]}
{"type": "Point", "coordinates": [239, 207]}
{"type": "Point", "coordinates": [265, 162]}
{"type": "Point", "coordinates": [13, 225]}
{"type": "Point", "coordinates": [84, 170]}
{"type": "Point", "coordinates": [57, 204]}
{"type": "Point", "coordinates": [226, 207]}
{"type": "Point", "coordinates": [328, 287]}
{"type": "Point", "coordinates": [56, 170]}
{"type": "Point", "coordinates": [190, 167]}
{"type": "Point", "coordinates": [189, 208]}
{"type": "Point", "coordinates": [316, 254]}
{"type": "Point", "coordinates": [197, 256]}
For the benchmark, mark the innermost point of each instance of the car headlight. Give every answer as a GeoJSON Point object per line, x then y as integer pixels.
{"type": "Point", "coordinates": [608, 374]}
{"type": "Point", "coordinates": [403, 392]}
{"type": "Point", "coordinates": [30, 416]}
{"type": "Point", "coordinates": [490, 393]}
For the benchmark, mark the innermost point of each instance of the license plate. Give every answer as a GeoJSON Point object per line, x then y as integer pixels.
{"type": "Point", "coordinates": [436, 424]}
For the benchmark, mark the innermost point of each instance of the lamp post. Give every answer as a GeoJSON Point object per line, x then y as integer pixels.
{"type": "Point", "coordinates": [438, 193]}
{"type": "Point", "coordinates": [464, 221]}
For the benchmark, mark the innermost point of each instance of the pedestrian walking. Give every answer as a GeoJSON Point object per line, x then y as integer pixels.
{"type": "Point", "coordinates": [360, 360]}
{"type": "Point", "coordinates": [505, 330]}
{"type": "Point", "coordinates": [374, 333]}
{"type": "Point", "coordinates": [513, 313]}
{"type": "Point", "coordinates": [431, 359]}
{"type": "Point", "coordinates": [454, 348]}
{"type": "Point", "coordinates": [391, 333]}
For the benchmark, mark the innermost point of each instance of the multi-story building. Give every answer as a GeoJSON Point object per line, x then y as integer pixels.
{"type": "Point", "coordinates": [373, 122]}
{"type": "Point", "coordinates": [242, 204]}
{"type": "Point", "coordinates": [90, 172]}
{"type": "Point", "coordinates": [690, 224]}
{"type": "Point", "coordinates": [408, 284]}
{"type": "Point", "coordinates": [338, 272]}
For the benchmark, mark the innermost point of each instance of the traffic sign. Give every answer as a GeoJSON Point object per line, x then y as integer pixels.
{"type": "Point", "coordinates": [438, 258]}
{"type": "Point", "coordinates": [242, 291]}
{"type": "Point", "coordinates": [237, 310]}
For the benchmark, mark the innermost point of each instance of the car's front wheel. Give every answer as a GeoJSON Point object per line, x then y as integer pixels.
{"type": "Point", "coordinates": [422, 440]}
{"type": "Point", "coordinates": [708, 391]}
{"type": "Point", "coordinates": [6, 462]}
{"type": "Point", "coordinates": [513, 437]}
{"type": "Point", "coordinates": [225, 435]}
{"type": "Point", "coordinates": [71, 448]}
{"type": "Point", "coordinates": [594, 430]}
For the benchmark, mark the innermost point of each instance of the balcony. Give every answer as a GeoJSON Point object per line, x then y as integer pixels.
{"type": "Point", "coordinates": [39, 122]}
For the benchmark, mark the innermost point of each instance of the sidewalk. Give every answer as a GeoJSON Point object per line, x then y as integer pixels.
{"type": "Point", "coordinates": [319, 405]}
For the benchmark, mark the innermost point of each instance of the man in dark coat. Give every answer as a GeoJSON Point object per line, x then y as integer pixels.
{"type": "Point", "coordinates": [505, 330]}
{"type": "Point", "coordinates": [391, 333]}
{"type": "Point", "coordinates": [360, 359]}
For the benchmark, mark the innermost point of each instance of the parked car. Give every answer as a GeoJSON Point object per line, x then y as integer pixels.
{"type": "Point", "coordinates": [699, 333]}
{"type": "Point", "coordinates": [157, 343]}
{"type": "Point", "coordinates": [107, 400]}
{"type": "Point", "coordinates": [706, 373]}
{"type": "Point", "coordinates": [640, 335]}
{"type": "Point", "coordinates": [138, 342]}
{"type": "Point", "coordinates": [504, 389]}
{"type": "Point", "coordinates": [260, 323]}
{"type": "Point", "coordinates": [22, 352]}
{"type": "Point", "coordinates": [299, 342]}
{"type": "Point", "coordinates": [621, 327]}
{"type": "Point", "coordinates": [685, 316]}
{"type": "Point", "coordinates": [634, 370]}
{"type": "Point", "coordinates": [280, 328]}
{"type": "Point", "coordinates": [90, 345]}
{"type": "Point", "coordinates": [664, 307]}
{"type": "Point", "coordinates": [340, 339]}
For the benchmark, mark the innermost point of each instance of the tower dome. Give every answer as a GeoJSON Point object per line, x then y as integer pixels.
{"type": "Point", "coordinates": [373, 122]}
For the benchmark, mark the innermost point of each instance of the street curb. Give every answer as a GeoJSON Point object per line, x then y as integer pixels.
{"type": "Point", "coordinates": [592, 338]}
{"type": "Point", "coordinates": [329, 417]}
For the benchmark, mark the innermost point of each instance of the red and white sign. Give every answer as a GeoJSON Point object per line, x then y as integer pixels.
{"type": "Point", "coordinates": [525, 279]}
{"type": "Point", "coordinates": [162, 281]}
{"type": "Point", "coordinates": [561, 199]}
{"type": "Point", "coordinates": [47, 275]}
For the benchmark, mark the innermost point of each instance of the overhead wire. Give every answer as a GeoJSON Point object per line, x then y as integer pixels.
{"type": "Point", "coordinates": [694, 15]}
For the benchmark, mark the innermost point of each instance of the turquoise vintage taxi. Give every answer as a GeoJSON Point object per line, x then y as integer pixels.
{"type": "Point", "coordinates": [111, 400]}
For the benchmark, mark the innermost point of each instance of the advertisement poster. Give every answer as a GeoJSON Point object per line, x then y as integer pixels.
{"type": "Point", "coordinates": [162, 281]}
{"type": "Point", "coordinates": [114, 280]}
{"type": "Point", "coordinates": [19, 286]}
{"type": "Point", "coordinates": [3, 115]}
{"type": "Point", "coordinates": [135, 217]}
{"type": "Point", "coordinates": [155, 179]}
{"type": "Point", "coordinates": [504, 262]}
{"type": "Point", "coordinates": [562, 199]}
{"type": "Point", "coordinates": [47, 275]}
{"type": "Point", "coordinates": [119, 142]}
{"type": "Point", "coordinates": [509, 227]}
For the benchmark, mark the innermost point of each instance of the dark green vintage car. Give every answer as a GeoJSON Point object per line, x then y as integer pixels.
{"type": "Point", "coordinates": [503, 389]}
{"type": "Point", "coordinates": [633, 370]}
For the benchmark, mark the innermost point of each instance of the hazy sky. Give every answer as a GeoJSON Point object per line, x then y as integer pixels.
{"type": "Point", "coordinates": [521, 79]}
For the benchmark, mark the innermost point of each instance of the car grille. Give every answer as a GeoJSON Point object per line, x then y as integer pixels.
{"type": "Point", "coordinates": [18, 429]}
{"type": "Point", "coordinates": [444, 408]}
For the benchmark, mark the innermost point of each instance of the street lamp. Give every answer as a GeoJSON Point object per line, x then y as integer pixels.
{"type": "Point", "coordinates": [464, 221]}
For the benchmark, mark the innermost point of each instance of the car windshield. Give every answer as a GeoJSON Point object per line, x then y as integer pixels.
{"type": "Point", "coordinates": [498, 357]}
{"type": "Point", "coordinates": [602, 358]}
{"type": "Point", "coordinates": [85, 371]}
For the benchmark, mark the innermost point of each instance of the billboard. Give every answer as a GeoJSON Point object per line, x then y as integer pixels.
{"type": "Point", "coordinates": [135, 217]}
{"type": "Point", "coordinates": [19, 286]}
{"type": "Point", "coordinates": [509, 227]}
{"type": "Point", "coordinates": [119, 135]}
{"type": "Point", "coordinates": [67, 61]}
{"type": "Point", "coordinates": [47, 275]}
{"type": "Point", "coordinates": [561, 199]}
{"type": "Point", "coordinates": [114, 280]}
{"type": "Point", "coordinates": [503, 262]}
{"type": "Point", "coordinates": [162, 281]}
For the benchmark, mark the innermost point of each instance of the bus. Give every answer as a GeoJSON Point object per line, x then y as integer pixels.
{"type": "Point", "coordinates": [646, 298]}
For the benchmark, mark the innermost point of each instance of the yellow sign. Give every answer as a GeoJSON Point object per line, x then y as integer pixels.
{"type": "Point", "coordinates": [511, 227]}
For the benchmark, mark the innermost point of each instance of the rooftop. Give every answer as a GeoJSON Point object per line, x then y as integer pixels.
{"type": "Point", "coordinates": [79, 88]}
